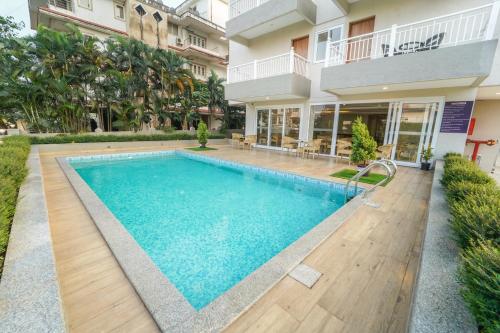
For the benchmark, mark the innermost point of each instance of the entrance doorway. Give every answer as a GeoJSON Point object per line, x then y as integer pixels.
{"type": "Point", "coordinates": [301, 45]}
{"type": "Point", "coordinates": [275, 123]}
{"type": "Point", "coordinates": [360, 48]}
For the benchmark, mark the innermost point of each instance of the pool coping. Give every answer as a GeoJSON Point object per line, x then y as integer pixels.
{"type": "Point", "coordinates": [171, 311]}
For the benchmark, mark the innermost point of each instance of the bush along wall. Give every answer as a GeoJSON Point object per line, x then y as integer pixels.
{"type": "Point", "coordinates": [474, 200]}
{"type": "Point", "coordinates": [13, 154]}
{"type": "Point", "coordinates": [82, 138]}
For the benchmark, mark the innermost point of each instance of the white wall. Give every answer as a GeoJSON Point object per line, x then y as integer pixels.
{"type": "Point", "coordinates": [487, 114]}
{"type": "Point", "coordinates": [102, 12]}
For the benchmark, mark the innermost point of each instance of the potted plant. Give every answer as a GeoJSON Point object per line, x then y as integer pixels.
{"type": "Point", "coordinates": [425, 163]}
{"type": "Point", "coordinates": [363, 144]}
{"type": "Point", "coordinates": [202, 134]}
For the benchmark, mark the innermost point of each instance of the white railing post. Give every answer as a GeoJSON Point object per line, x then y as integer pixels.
{"type": "Point", "coordinates": [254, 69]}
{"type": "Point", "coordinates": [227, 75]}
{"type": "Point", "coordinates": [392, 39]}
{"type": "Point", "coordinates": [492, 22]}
{"type": "Point", "coordinates": [328, 51]}
{"type": "Point", "coordinates": [292, 59]}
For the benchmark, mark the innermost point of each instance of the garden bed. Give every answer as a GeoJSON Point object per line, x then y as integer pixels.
{"type": "Point", "coordinates": [371, 178]}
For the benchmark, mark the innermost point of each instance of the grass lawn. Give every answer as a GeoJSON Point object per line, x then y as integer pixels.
{"type": "Point", "coordinates": [201, 148]}
{"type": "Point", "coordinates": [372, 178]}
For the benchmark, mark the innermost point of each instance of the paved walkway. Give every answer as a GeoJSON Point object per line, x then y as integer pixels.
{"type": "Point", "coordinates": [368, 265]}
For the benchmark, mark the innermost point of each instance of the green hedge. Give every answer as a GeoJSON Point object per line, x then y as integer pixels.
{"type": "Point", "coordinates": [474, 200]}
{"type": "Point", "coordinates": [82, 138]}
{"type": "Point", "coordinates": [480, 274]}
{"type": "Point", "coordinates": [13, 154]}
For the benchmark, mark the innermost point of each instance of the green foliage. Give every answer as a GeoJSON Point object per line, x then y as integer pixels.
{"type": "Point", "coordinates": [480, 275]}
{"type": "Point", "coordinates": [202, 133]}
{"type": "Point", "coordinates": [363, 144]}
{"type": "Point", "coordinates": [476, 217]}
{"type": "Point", "coordinates": [58, 139]}
{"type": "Point", "coordinates": [474, 200]}
{"type": "Point", "coordinates": [427, 154]}
{"type": "Point", "coordinates": [13, 154]}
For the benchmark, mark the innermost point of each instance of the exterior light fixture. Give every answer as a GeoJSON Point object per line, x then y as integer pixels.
{"type": "Point", "coordinates": [158, 19]}
{"type": "Point", "coordinates": [141, 12]}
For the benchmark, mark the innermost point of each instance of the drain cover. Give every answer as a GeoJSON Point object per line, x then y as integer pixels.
{"type": "Point", "coordinates": [306, 275]}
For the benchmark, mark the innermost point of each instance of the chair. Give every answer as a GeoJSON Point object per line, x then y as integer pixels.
{"type": "Point", "coordinates": [288, 143]}
{"type": "Point", "coordinates": [344, 148]}
{"type": "Point", "coordinates": [237, 139]}
{"type": "Point", "coordinates": [313, 147]}
{"type": "Point", "coordinates": [433, 42]}
{"type": "Point", "coordinates": [249, 141]}
{"type": "Point", "coordinates": [384, 152]}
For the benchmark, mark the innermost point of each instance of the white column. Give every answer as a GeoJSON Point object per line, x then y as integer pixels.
{"type": "Point", "coordinates": [292, 59]}
{"type": "Point", "coordinates": [392, 41]}
{"type": "Point", "coordinates": [335, 129]}
{"type": "Point", "coordinates": [254, 69]}
{"type": "Point", "coordinates": [328, 51]}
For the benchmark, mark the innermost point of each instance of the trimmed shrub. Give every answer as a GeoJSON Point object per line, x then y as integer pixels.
{"type": "Point", "coordinates": [480, 275]}
{"type": "Point", "coordinates": [202, 134]}
{"type": "Point", "coordinates": [475, 218]}
{"type": "Point", "coordinates": [464, 171]}
{"type": "Point", "coordinates": [84, 138]}
{"type": "Point", "coordinates": [13, 154]}
{"type": "Point", "coordinates": [458, 191]}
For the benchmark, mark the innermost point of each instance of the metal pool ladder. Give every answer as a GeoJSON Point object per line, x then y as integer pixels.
{"type": "Point", "coordinates": [388, 165]}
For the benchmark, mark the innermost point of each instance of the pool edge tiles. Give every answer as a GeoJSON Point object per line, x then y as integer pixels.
{"type": "Point", "coordinates": [172, 312]}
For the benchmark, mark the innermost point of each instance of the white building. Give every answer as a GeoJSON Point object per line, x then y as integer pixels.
{"type": "Point", "coordinates": [412, 69]}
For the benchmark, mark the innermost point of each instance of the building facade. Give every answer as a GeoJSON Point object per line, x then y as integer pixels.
{"type": "Point", "coordinates": [420, 73]}
{"type": "Point", "coordinates": [194, 30]}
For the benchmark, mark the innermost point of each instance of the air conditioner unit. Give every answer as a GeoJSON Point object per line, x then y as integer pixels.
{"type": "Point", "coordinates": [178, 41]}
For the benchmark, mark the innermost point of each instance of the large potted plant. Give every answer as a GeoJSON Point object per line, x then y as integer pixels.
{"type": "Point", "coordinates": [425, 163]}
{"type": "Point", "coordinates": [363, 144]}
{"type": "Point", "coordinates": [202, 134]}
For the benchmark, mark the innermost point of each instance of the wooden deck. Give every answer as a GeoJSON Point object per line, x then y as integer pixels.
{"type": "Point", "coordinates": [368, 265]}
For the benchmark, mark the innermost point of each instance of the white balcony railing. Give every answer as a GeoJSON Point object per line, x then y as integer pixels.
{"type": "Point", "coordinates": [459, 28]}
{"type": "Point", "coordinates": [286, 63]}
{"type": "Point", "coordinates": [63, 4]}
{"type": "Point", "coordinates": [238, 7]}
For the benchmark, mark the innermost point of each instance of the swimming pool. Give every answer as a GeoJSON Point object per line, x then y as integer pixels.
{"type": "Point", "coordinates": [208, 224]}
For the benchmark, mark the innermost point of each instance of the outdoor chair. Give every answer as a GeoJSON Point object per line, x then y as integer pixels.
{"type": "Point", "coordinates": [384, 152]}
{"type": "Point", "coordinates": [431, 43]}
{"type": "Point", "coordinates": [249, 141]}
{"type": "Point", "coordinates": [344, 149]}
{"type": "Point", "coordinates": [313, 148]}
{"type": "Point", "coordinates": [237, 140]}
{"type": "Point", "coordinates": [288, 143]}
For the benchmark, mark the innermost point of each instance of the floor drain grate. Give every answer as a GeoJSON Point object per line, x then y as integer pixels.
{"type": "Point", "coordinates": [306, 275]}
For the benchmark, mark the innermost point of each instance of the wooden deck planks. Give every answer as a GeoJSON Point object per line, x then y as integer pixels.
{"type": "Point", "coordinates": [369, 265]}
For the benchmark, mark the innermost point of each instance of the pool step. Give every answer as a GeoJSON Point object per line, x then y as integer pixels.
{"type": "Point", "coordinates": [305, 274]}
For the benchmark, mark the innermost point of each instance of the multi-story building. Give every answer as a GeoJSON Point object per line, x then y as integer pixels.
{"type": "Point", "coordinates": [195, 29]}
{"type": "Point", "coordinates": [420, 73]}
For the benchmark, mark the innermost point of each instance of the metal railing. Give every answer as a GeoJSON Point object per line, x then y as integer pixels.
{"type": "Point", "coordinates": [388, 165]}
{"type": "Point", "coordinates": [238, 7]}
{"type": "Point", "coordinates": [63, 4]}
{"type": "Point", "coordinates": [286, 63]}
{"type": "Point", "coordinates": [464, 27]}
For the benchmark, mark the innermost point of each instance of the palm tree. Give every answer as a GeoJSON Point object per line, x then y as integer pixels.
{"type": "Point", "coordinates": [215, 92]}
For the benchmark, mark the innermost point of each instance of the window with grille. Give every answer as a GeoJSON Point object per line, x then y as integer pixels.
{"type": "Point", "coordinates": [198, 70]}
{"type": "Point", "coordinates": [197, 40]}
{"type": "Point", "coordinates": [119, 12]}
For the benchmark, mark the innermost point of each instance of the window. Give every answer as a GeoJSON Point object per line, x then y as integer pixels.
{"type": "Point", "coordinates": [85, 4]}
{"type": "Point", "coordinates": [198, 70]}
{"type": "Point", "coordinates": [321, 40]}
{"type": "Point", "coordinates": [197, 40]}
{"type": "Point", "coordinates": [119, 12]}
{"type": "Point", "coordinates": [173, 29]}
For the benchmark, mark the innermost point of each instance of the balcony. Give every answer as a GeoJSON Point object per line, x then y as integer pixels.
{"type": "Point", "coordinates": [284, 76]}
{"type": "Point", "coordinates": [455, 50]}
{"type": "Point", "coordinates": [249, 19]}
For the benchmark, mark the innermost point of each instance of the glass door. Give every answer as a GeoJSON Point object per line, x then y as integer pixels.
{"type": "Point", "coordinates": [411, 129]}
{"type": "Point", "coordinates": [262, 127]}
{"type": "Point", "coordinates": [276, 127]}
{"type": "Point", "coordinates": [292, 122]}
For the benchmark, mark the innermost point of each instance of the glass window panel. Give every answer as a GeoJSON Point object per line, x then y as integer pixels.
{"type": "Point", "coordinates": [323, 125]}
{"type": "Point", "coordinates": [292, 123]}
{"type": "Point", "coordinates": [276, 127]}
{"type": "Point", "coordinates": [410, 131]}
{"type": "Point", "coordinates": [262, 126]}
{"type": "Point", "coordinates": [321, 40]}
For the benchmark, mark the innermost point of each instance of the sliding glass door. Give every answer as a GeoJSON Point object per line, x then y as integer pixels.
{"type": "Point", "coordinates": [275, 123]}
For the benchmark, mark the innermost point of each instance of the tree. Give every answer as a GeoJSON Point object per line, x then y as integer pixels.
{"type": "Point", "coordinates": [363, 145]}
{"type": "Point", "coordinates": [215, 92]}
{"type": "Point", "coordinates": [202, 134]}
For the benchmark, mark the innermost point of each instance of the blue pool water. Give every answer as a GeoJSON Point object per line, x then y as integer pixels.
{"type": "Point", "coordinates": [207, 226]}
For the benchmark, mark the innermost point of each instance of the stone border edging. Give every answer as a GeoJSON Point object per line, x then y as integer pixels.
{"type": "Point", "coordinates": [437, 305]}
{"type": "Point", "coordinates": [29, 290]}
{"type": "Point", "coordinates": [171, 311]}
